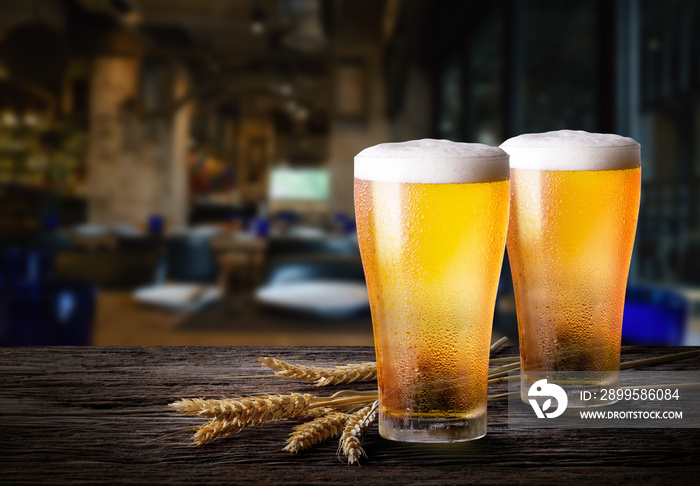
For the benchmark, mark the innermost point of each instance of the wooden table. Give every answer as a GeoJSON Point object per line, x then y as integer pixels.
{"type": "Point", "coordinates": [90, 414]}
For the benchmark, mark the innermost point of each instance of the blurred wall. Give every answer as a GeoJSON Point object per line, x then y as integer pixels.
{"type": "Point", "coordinates": [136, 161]}
{"type": "Point", "coordinates": [350, 134]}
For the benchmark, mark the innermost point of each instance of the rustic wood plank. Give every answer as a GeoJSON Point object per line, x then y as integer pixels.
{"type": "Point", "coordinates": [89, 415]}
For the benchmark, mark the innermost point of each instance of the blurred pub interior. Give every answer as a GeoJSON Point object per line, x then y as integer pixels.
{"type": "Point", "coordinates": [179, 172]}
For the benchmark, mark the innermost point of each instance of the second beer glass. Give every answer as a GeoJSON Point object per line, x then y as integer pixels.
{"type": "Point", "coordinates": [574, 204]}
{"type": "Point", "coordinates": [432, 218]}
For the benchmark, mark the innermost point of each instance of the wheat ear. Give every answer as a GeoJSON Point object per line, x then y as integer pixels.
{"type": "Point", "coordinates": [356, 425]}
{"type": "Point", "coordinates": [315, 431]}
{"type": "Point", "coordinates": [255, 410]}
{"type": "Point", "coordinates": [252, 408]}
{"type": "Point", "coordinates": [230, 416]}
{"type": "Point", "coordinates": [313, 413]}
{"type": "Point", "coordinates": [323, 376]}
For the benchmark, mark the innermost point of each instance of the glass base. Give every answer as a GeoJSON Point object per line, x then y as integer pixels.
{"type": "Point", "coordinates": [435, 430]}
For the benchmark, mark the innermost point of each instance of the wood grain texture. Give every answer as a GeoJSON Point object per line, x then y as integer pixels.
{"type": "Point", "coordinates": [90, 414]}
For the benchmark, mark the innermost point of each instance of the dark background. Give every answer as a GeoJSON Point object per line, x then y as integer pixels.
{"type": "Point", "coordinates": [156, 119]}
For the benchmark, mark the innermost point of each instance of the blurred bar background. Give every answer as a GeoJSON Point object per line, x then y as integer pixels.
{"type": "Point", "coordinates": [180, 171]}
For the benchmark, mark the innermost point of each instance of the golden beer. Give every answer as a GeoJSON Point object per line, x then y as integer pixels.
{"type": "Point", "coordinates": [570, 240]}
{"type": "Point", "coordinates": [432, 254]}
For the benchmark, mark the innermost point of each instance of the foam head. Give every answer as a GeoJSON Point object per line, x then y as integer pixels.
{"type": "Point", "coordinates": [431, 161]}
{"type": "Point", "coordinates": [572, 150]}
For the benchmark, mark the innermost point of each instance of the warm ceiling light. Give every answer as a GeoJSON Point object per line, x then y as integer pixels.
{"type": "Point", "coordinates": [9, 118]}
{"type": "Point", "coordinates": [31, 119]}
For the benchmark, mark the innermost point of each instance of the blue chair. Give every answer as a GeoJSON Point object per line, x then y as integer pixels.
{"type": "Point", "coordinates": [156, 224]}
{"type": "Point", "coordinates": [190, 259]}
{"type": "Point", "coordinates": [261, 227]}
{"type": "Point", "coordinates": [346, 223]}
{"type": "Point", "coordinates": [48, 312]}
{"type": "Point", "coordinates": [18, 264]}
{"type": "Point", "coordinates": [654, 316]}
{"type": "Point", "coordinates": [287, 217]}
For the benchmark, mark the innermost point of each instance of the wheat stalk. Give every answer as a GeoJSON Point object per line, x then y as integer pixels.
{"type": "Point", "coordinates": [313, 413]}
{"type": "Point", "coordinates": [498, 375]}
{"type": "Point", "coordinates": [258, 408]}
{"type": "Point", "coordinates": [503, 370]}
{"type": "Point", "coordinates": [230, 416]}
{"type": "Point", "coordinates": [495, 347]}
{"type": "Point", "coordinates": [253, 408]}
{"type": "Point", "coordinates": [252, 411]}
{"type": "Point", "coordinates": [216, 428]}
{"type": "Point", "coordinates": [355, 426]}
{"type": "Point", "coordinates": [323, 376]}
{"type": "Point", "coordinates": [667, 358]}
{"type": "Point", "coordinates": [366, 371]}
{"type": "Point", "coordinates": [315, 431]}
{"type": "Point", "coordinates": [511, 359]}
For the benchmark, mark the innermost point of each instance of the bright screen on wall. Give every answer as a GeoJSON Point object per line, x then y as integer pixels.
{"type": "Point", "coordinates": [299, 184]}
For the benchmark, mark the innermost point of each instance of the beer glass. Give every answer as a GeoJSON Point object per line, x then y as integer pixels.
{"type": "Point", "coordinates": [432, 218]}
{"type": "Point", "coordinates": [574, 206]}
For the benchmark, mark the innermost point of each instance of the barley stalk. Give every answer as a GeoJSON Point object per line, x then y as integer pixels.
{"type": "Point", "coordinates": [625, 365]}
{"type": "Point", "coordinates": [503, 370]}
{"type": "Point", "coordinates": [366, 371]}
{"type": "Point", "coordinates": [503, 379]}
{"type": "Point", "coordinates": [495, 347]}
{"type": "Point", "coordinates": [501, 397]}
{"type": "Point", "coordinates": [230, 416]}
{"type": "Point", "coordinates": [315, 431]}
{"type": "Point", "coordinates": [355, 426]}
{"type": "Point", "coordinates": [323, 376]}
{"type": "Point", "coordinates": [504, 360]}
{"type": "Point", "coordinates": [216, 428]}
{"type": "Point", "coordinates": [252, 411]}
{"type": "Point", "coordinates": [667, 358]}
{"type": "Point", "coordinates": [317, 412]}
{"type": "Point", "coordinates": [345, 402]}
{"type": "Point", "coordinates": [254, 408]}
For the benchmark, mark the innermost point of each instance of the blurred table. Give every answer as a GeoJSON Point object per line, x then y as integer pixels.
{"type": "Point", "coordinates": [89, 415]}
{"type": "Point", "coordinates": [240, 258]}
{"type": "Point", "coordinates": [122, 321]}
{"type": "Point", "coordinates": [106, 240]}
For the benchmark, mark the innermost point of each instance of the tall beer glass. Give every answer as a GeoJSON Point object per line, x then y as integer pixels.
{"type": "Point", "coordinates": [432, 218]}
{"type": "Point", "coordinates": [574, 206]}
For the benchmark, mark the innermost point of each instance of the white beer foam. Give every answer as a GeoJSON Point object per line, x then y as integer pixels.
{"type": "Point", "coordinates": [572, 150]}
{"type": "Point", "coordinates": [431, 161]}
